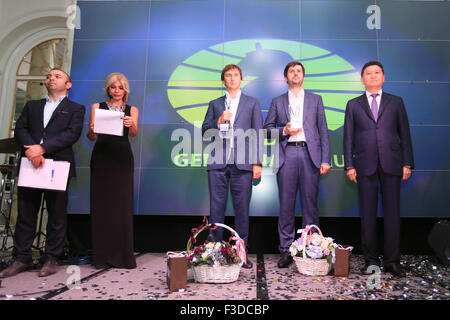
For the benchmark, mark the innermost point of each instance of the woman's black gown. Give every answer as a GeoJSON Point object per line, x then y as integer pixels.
{"type": "Point", "coordinates": [112, 169]}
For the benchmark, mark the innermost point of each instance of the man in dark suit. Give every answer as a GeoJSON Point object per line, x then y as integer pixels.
{"type": "Point", "coordinates": [378, 151]}
{"type": "Point", "coordinates": [304, 154]}
{"type": "Point", "coordinates": [46, 129]}
{"type": "Point", "coordinates": [234, 162]}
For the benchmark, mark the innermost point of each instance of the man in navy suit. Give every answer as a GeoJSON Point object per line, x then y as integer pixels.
{"type": "Point", "coordinates": [378, 151]}
{"type": "Point", "coordinates": [298, 118]}
{"type": "Point", "coordinates": [46, 129]}
{"type": "Point", "coordinates": [234, 162]}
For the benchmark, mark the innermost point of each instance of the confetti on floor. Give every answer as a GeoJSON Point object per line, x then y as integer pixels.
{"type": "Point", "coordinates": [426, 279]}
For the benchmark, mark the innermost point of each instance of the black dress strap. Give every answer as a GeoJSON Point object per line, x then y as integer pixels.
{"type": "Point", "coordinates": [127, 110]}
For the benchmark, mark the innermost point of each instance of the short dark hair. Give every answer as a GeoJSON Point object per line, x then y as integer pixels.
{"type": "Point", "coordinates": [229, 67]}
{"type": "Point", "coordinates": [372, 63]}
{"type": "Point", "coordinates": [292, 64]}
{"type": "Point", "coordinates": [58, 69]}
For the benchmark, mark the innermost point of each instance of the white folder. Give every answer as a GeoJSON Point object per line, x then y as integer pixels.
{"type": "Point", "coordinates": [52, 176]}
{"type": "Point", "coordinates": [108, 122]}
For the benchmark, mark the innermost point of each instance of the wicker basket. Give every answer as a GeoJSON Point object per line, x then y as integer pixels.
{"type": "Point", "coordinates": [312, 267]}
{"type": "Point", "coordinates": [216, 274]}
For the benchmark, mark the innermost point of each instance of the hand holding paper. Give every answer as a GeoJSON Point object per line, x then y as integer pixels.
{"type": "Point", "coordinates": [38, 162]}
{"type": "Point", "coordinates": [108, 122]}
{"type": "Point", "coordinates": [34, 151]}
{"type": "Point", "coordinates": [51, 175]}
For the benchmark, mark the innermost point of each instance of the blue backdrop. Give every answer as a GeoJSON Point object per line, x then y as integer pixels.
{"type": "Point", "coordinates": [173, 52]}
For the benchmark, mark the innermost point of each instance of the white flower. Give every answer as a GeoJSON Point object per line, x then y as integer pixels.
{"type": "Point", "coordinates": [316, 240]}
{"type": "Point", "coordinates": [205, 255]}
{"type": "Point", "coordinates": [293, 251]}
{"type": "Point", "coordinates": [314, 252]}
{"type": "Point", "coordinates": [218, 245]}
{"type": "Point", "coordinates": [209, 245]}
{"type": "Point", "coordinates": [325, 243]}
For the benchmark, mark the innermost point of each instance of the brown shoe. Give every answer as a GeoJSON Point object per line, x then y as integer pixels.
{"type": "Point", "coordinates": [15, 268]}
{"type": "Point", "coordinates": [49, 267]}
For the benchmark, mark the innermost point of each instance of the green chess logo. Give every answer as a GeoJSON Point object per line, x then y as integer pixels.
{"type": "Point", "coordinates": [196, 81]}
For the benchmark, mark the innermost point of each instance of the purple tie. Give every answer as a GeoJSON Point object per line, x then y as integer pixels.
{"type": "Point", "coordinates": [374, 106]}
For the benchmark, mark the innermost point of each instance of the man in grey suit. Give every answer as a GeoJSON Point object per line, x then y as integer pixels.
{"type": "Point", "coordinates": [234, 162]}
{"type": "Point", "coordinates": [304, 154]}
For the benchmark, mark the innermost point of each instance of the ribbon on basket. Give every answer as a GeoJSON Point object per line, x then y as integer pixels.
{"type": "Point", "coordinates": [304, 233]}
{"type": "Point", "coordinates": [194, 231]}
{"type": "Point", "coordinates": [240, 248]}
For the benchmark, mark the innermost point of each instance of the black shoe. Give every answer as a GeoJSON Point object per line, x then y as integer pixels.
{"type": "Point", "coordinates": [15, 268]}
{"type": "Point", "coordinates": [49, 267]}
{"type": "Point", "coordinates": [370, 268]}
{"type": "Point", "coordinates": [285, 260]}
{"type": "Point", "coordinates": [247, 265]}
{"type": "Point", "coordinates": [395, 269]}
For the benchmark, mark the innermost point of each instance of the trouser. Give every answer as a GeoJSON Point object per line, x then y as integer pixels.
{"type": "Point", "coordinates": [297, 172]}
{"type": "Point", "coordinates": [29, 203]}
{"type": "Point", "coordinates": [240, 184]}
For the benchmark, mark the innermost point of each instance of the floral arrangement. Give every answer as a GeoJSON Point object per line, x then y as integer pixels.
{"type": "Point", "coordinates": [214, 254]}
{"type": "Point", "coordinates": [317, 247]}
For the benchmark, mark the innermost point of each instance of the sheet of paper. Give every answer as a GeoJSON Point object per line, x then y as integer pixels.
{"type": "Point", "coordinates": [108, 122]}
{"type": "Point", "coordinates": [52, 176]}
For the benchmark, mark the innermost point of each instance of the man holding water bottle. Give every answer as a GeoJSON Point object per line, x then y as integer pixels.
{"type": "Point", "coordinates": [234, 122]}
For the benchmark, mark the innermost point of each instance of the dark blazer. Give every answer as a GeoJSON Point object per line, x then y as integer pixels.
{"type": "Point", "coordinates": [388, 140]}
{"type": "Point", "coordinates": [248, 116]}
{"type": "Point", "coordinates": [62, 131]}
{"type": "Point", "coordinates": [314, 126]}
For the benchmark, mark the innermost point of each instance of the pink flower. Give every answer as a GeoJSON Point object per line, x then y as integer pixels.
{"type": "Point", "coordinates": [326, 252]}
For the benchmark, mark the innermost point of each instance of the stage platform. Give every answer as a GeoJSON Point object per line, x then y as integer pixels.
{"type": "Point", "coordinates": [426, 279]}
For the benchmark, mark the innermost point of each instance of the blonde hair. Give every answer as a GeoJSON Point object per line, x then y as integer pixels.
{"type": "Point", "coordinates": [113, 77]}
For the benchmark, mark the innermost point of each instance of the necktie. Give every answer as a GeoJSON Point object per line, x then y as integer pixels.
{"type": "Point", "coordinates": [374, 106]}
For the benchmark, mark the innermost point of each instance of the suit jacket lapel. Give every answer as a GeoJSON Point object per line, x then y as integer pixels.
{"type": "Point", "coordinates": [306, 102]}
{"type": "Point", "coordinates": [385, 97]}
{"type": "Point", "coordinates": [41, 112]}
{"type": "Point", "coordinates": [61, 106]}
{"type": "Point", "coordinates": [365, 106]}
{"type": "Point", "coordinates": [222, 105]}
{"type": "Point", "coordinates": [241, 106]}
{"type": "Point", "coordinates": [286, 106]}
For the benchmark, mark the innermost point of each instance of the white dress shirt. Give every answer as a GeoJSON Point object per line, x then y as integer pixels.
{"type": "Point", "coordinates": [232, 105]}
{"type": "Point", "coordinates": [296, 103]}
{"type": "Point", "coordinates": [49, 108]}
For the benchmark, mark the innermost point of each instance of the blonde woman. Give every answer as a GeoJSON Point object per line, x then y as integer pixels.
{"type": "Point", "coordinates": [112, 168]}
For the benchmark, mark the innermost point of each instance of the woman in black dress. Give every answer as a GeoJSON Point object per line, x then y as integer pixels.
{"type": "Point", "coordinates": [112, 169]}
